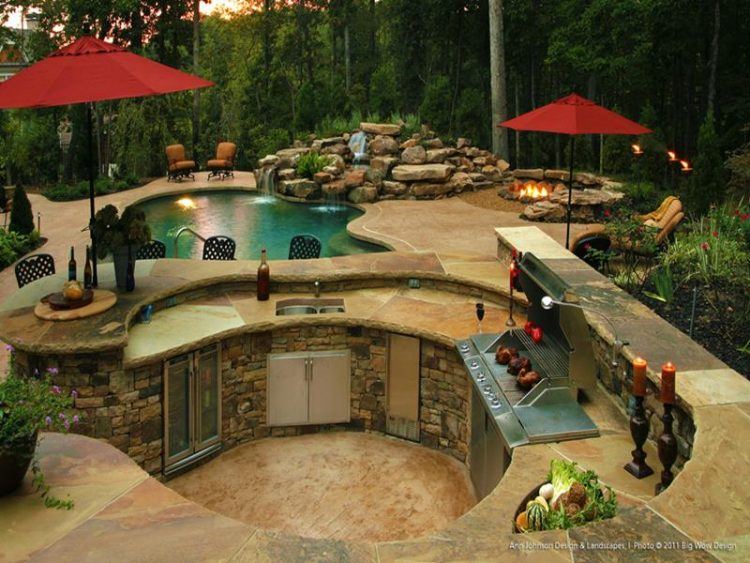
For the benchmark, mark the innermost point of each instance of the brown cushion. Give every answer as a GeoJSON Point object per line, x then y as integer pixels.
{"type": "Point", "coordinates": [175, 153]}
{"type": "Point", "coordinates": [658, 213]}
{"type": "Point", "coordinates": [593, 230]}
{"type": "Point", "coordinates": [219, 163]}
{"type": "Point", "coordinates": [670, 212]}
{"type": "Point", "coordinates": [226, 151]}
{"type": "Point", "coordinates": [182, 165]}
{"type": "Point", "coordinates": [671, 226]}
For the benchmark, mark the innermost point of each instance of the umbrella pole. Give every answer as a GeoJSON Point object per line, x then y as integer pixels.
{"type": "Point", "coordinates": [570, 189]}
{"type": "Point", "coordinates": [89, 121]}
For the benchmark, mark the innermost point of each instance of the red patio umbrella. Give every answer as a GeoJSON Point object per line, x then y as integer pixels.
{"type": "Point", "coordinates": [86, 71]}
{"type": "Point", "coordinates": [574, 115]}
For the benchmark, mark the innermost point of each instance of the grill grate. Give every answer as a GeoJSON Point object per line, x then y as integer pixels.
{"type": "Point", "coordinates": [551, 363]}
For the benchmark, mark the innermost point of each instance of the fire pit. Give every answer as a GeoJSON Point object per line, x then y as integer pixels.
{"type": "Point", "coordinates": [529, 191]}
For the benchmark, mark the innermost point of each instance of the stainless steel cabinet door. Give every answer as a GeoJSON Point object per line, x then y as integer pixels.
{"type": "Point", "coordinates": [287, 394]}
{"type": "Point", "coordinates": [329, 380]}
{"type": "Point", "coordinates": [178, 406]}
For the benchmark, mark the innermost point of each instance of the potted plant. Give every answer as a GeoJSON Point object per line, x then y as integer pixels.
{"type": "Point", "coordinates": [28, 406]}
{"type": "Point", "coordinates": [120, 236]}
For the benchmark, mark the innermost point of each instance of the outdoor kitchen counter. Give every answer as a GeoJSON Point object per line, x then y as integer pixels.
{"type": "Point", "coordinates": [475, 277]}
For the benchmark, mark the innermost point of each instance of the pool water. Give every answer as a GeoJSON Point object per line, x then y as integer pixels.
{"type": "Point", "coordinates": [254, 221]}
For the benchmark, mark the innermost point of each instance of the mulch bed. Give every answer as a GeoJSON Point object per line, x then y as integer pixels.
{"type": "Point", "coordinates": [717, 327]}
{"type": "Point", "coordinates": [488, 198]}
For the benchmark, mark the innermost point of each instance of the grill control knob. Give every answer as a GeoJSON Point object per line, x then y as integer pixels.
{"type": "Point", "coordinates": [495, 402]}
{"type": "Point", "coordinates": [474, 364]}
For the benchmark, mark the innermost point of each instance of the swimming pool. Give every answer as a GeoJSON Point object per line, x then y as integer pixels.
{"type": "Point", "coordinates": [254, 221]}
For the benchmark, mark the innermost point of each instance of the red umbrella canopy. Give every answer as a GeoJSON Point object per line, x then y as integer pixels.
{"type": "Point", "coordinates": [91, 70]}
{"type": "Point", "coordinates": [575, 115]}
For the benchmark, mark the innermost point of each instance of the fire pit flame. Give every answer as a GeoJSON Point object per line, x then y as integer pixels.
{"type": "Point", "coordinates": [532, 190]}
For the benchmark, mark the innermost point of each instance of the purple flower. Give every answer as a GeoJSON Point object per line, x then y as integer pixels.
{"type": "Point", "coordinates": [75, 419]}
{"type": "Point", "coordinates": [67, 425]}
{"type": "Point", "coordinates": [56, 389]}
{"type": "Point", "coordinates": [74, 393]}
{"type": "Point", "coordinates": [53, 371]}
{"type": "Point", "coordinates": [62, 416]}
{"type": "Point", "coordinates": [47, 420]}
{"type": "Point", "coordinates": [9, 348]}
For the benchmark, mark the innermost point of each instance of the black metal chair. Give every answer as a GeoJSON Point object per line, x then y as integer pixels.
{"type": "Point", "coordinates": [599, 243]}
{"type": "Point", "coordinates": [34, 267]}
{"type": "Point", "coordinates": [304, 247]}
{"type": "Point", "coordinates": [152, 250]}
{"type": "Point", "coordinates": [219, 248]}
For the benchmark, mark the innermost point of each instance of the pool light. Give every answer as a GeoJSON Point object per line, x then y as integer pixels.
{"type": "Point", "coordinates": [186, 203]}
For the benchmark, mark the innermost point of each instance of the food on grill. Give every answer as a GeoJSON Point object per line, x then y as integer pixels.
{"type": "Point", "coordinates": [537, 334]}
{"type": "Point", "coordinates": [517, 364]}
{"type": "Point", "coordinates": [527, 379]}
{"type": "Point", "coordinates": [505, 355]}
{"type": "Point", "coordinates": [528, 327]}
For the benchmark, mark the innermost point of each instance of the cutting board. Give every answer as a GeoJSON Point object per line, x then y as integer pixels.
{"type": "Point", "coordinates": [102, 301]}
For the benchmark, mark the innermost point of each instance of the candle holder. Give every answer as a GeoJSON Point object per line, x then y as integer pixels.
{"type": "Point", "coordinates": [667, 449]}
{"type": "Point", "coordinates": [639, 425]}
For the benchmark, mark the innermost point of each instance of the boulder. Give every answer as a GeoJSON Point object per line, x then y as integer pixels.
{"type": "Point", "coordinates": [323, 177]}
{"type": "Point", "coordinates": [363, 194]}
{"type": "Point", "coordinates": [588, 197]}
{"type": "Point", "coordinates": [544, 211]}
{"type": "Point", "coordinates": [481, 161]}
{"type": "Point", "coordinates": [492, 173]}
{"type": "Point", "coordinates": [268, 160]}
{"type": "Point", "coordinates": [374, 176]}
{"type": "Point", "coordinates": [502, 165]}
{"type": "Point", "coordinates": [529, 173]}
{"type": "Point", "coordinates": [433, 143]}
{"type": "Point", "coordinates": [408, 143]}
{"type": "Point", "coordinates": [384, 163]}
{"type": "Point", "coordinates": [463, 143]}
{"type": "Point", "coordinates": [334, 188]}
{"type": "Point", "coordinates": [354, 178]}
{"type": "Point", "coordinates": [586, 179]}
{"type": "Point", "coordinates": [422, 172]}
{"type": "Point", "coordinates": [337, 161]}
{"type": "Point", "coordinates": [472, 152]}
{"type": "Point", "coordinates": [301, 188]}
{"type": "Point", "coordinates": [338, 149]}
{"type": "Point", "coordinates": [332, 170]}
{"type": "Point", "coordinates": [428, 190]}
{"type": "Point", "coordinates": [346, 137]}
{"type": "Point", "coordinates": [438, 155]}
{"type": "Point", "coordinates": [414, 155]}
{"type": "Point", "coordinates": [394, 188]}
{"type": "Point", "coordinates": [460, 182]}
{"type": "Point", "coordinates": [288, 157]}
{"type": "Point", "coordinates": [476, 176]}
{"type": "Point", "coordinates": [559, 175]}
{"type": "Point", "coordinates": [383, 144]}
{"type": "Point", "coordinates": [287, 174]}
{"type": "Point", "coordinates": [381, 128]}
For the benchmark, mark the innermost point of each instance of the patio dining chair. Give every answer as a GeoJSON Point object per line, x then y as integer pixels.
{"type": "Point", "coordinates": [34, 267]}
{"type": "Point", "coordinates": [304, 247]}
{"type": "Point", "coordinates": [152, 250]}
{"type": "Point", "coordinates": [179, 166]}
{"type": "Point", "coordinates": [222, 165]}
{"type": "Point", "coordinates": [219, 248]}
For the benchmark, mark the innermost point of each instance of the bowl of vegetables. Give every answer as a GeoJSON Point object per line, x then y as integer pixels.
{"type": "Point", "coordinates": [571, 497]}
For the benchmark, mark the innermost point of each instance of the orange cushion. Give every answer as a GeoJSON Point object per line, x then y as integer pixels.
{"type": "Point", "coordinates": [182, 165]}
{"type": "Point", "coordinates": [226, 151]}
{"type": "Point", "coordinates": [218, 163]}
{"type": "Point", "coordinates": [175, 153]}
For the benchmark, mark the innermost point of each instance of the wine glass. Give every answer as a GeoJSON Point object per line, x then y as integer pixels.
{"type": "Point", "coordinates": [480, 315]}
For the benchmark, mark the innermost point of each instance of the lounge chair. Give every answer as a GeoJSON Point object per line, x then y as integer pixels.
{"type": "Point", "coordinates": [219, 248]}
{"type": "Point", "coordinates": [179, 166]}
{"type": "Point", "coordinates": [34, 267]}
{"type": "Point", "coordinates": [152, 250]}
{"type": "Point", "coordinates": [304, 247]}
{"type": "Point", "coordinates": [222, 166]}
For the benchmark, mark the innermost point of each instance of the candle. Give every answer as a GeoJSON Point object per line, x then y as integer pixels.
{"type": "Point", "coordinates": [667, 383]}
{"type": "Point", "coordinates": [639, 377]}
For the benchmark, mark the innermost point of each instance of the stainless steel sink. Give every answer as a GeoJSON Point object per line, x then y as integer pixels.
{"type": "Point", "coordinates": [313, 306]}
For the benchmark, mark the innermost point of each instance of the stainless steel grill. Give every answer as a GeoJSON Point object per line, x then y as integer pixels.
{"type": "Point", "coordinates": [564, 359]}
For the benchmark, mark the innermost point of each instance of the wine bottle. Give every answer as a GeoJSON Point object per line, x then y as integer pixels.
{"type": "Point", "coordinates": [87, 271]}
{"type": "Point", "coordinates": [72, 265]}
{"type": "Point", "coordinates": [264, 277]}
{"type": "Point", "coordinates": [130, 279]}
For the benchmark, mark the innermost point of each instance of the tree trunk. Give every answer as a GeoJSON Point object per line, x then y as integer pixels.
{"type": "Point", "coordinates": [267, 6]}
{"type": "Point", "coordinates": [714, 57]}
{"type": "Point", "coordinates": [497, 79]}
{"type": "Point", "coordinates": [517, 96]}
{"type": "Point", "coordinates": [196, 92]}
{"type": "Point", "coordinates": [457, 79]}
{"type": "Point", "coordinates": [347, 58]}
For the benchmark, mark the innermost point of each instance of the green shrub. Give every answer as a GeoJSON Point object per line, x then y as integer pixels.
{"type": "Point", "coordinates": [383, 90]}
{"type": "Point", "coordinates": [471, 115]}
{"type": "Point", "coordinates": [21, 216]}
{"type": "Point", "coordinates": [643, 196]}
{"type": "Point", "coordinates": [437, 98]}
{"type": "Point", "coordinates": [12, 246]}
{"type": "Point", "coordinates": [80, 190]}
{"type": "Point", "coordinates": [311, 163]}
{"type": "Point", "coordinates": [707, 185]}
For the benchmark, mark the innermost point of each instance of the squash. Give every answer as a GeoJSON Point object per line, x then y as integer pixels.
{"type": "Point", "coordinates": [521, 523]}
{"type": "Point", "coordinates": [72, 291]}
{"type": "Point", "coordinates": [536, 513]}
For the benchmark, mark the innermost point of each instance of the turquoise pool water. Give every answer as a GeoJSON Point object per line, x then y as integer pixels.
{"type": "Point", "coordinates": [254, 221]}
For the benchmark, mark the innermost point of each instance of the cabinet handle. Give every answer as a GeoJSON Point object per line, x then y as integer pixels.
{"type": "Point", "coordinates": [311, 369]}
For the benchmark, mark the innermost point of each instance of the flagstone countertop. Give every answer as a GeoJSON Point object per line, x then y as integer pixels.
{"type": "Point", "coordinates": [123, 514]}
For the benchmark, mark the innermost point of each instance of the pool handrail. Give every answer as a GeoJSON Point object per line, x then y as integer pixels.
{"type": "Point", "coordinates": [177, 236]}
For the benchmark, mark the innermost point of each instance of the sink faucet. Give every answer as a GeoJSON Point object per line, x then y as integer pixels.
{"type": "Point", "coordinates": [317, 288]}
